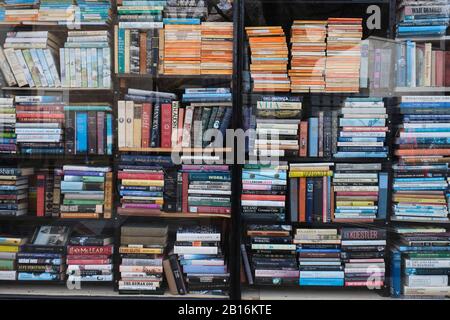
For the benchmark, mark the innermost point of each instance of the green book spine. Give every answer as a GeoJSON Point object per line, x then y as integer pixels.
{"type": "Point", "coordinates": [121, 50]}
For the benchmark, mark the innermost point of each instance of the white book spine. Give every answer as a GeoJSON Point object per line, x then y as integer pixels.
{"type": "Point", "coordinates": [24, 66]}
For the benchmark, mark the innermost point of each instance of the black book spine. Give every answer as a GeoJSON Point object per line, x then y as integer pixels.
{"type": "Point", "coordinates": [318, 205]}
{"type": "Point", "coordinates": [49, 194]}
{"type": "Point", "coordinates": [69, 132]}
{"type": "Point", "coordinates": [179, 192]}
{"type": "Point", "coordinates": [170, 190]}
{"type": "Point", "coordinates": [327, 135]}
{"type": "Point", "coordinates": [177, 274]}
{"type": "Point", "coordinates": [92, 132]}
{"type": "Point", "coordinates": [155, 140]}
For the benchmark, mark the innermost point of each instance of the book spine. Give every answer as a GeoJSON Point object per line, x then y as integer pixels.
{"type": "Point", "coordinates": [101, 134]}
{"type": "Point", "coordinates": [146, 120]}
{"type": "Point", "coordinates": [166, 125]}
{"type": "Point", "coordinates": [40, 195]}
{"type": "Point", "coordinates": [92, 132]}
{"type": "Point", "coordinates": [155, 133]}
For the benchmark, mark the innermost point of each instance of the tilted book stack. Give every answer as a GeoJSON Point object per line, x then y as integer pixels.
{"type": "Point", "coordinates": [141, 248]}
{"type": "Point", "coordinates": [88, 129]}
{"type": "Point", "coordinates": [361, 192]}
{"type": "Point", "coordinates": [343, 54]}
{"type": "Point", "coordinates": [9, 246]}
{"type": "Point", "coordinates": [311, 192]}
{"type": "Point", "coordinates": [89, 259]}
{"type": "Point", "coordinates": [422, 18]}
{"type": "Point", "coordinates": [185, 11]}
{"type": "Point", "coordinates": [8, 126]}
{"type": "Point", "coordinates": [202, 259]}
{"type": "Point", "coordinates": [420, 182]}
{"type": "Point", "coordinates": [264, 190]}
{"type": "Point", "coordinates": [363, 129]}
{"type": "Point", "coordinates": [31, 56]}
{"type": "Point", "coordinates": [86, 192]}
{"type": "Point", "coordinates": [85, 60]}
{"type": "Point", "coordinates": [308, 56]}
{"type": "Point", "coordinates": [14, 183]}
{"type": "Point", "coordinates": [319, 257]}
{"type": "Point", "coordinates": [40, 124]}
{"type": "Point", "coordinates": [272, 255]}
{"type": "Point", "coordinates": [217, 48]}
{"type": "Point", "coordinates": [363, 253]}
{"type": "Point", "coordinates": [269, 59]}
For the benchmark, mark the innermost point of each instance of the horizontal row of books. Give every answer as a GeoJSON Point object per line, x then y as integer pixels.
{"type": "Point", "coordinates": [29, 59]}
{"type": "Point", "coordinates": [356, 130]}
{"type": "Point", "coordinates": [351, 257]}
{"type": "Point", "coordinates": [325, 56]}
{"type": "Point", "coordinates": [46, 125]}
{"type": "Point", "coordinates": [163, 123]}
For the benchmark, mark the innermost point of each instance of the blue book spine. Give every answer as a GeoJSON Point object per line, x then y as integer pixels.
{"type": "Point", "coordinates": [313, 137]}
{"type": "Point", "coordinates": [309, 199]}
{"type": "Point", "coordinates": [141, 193]}
{"type": "Point", "coordinates": [181, 21]}
{"type": "Point", "coordinates": [329, 282]}
{"type": "Point", "coordinates": [70, 185]}
{"type": "Point", "coordinates": [362, 122]}
{"type": "Point", "coordinates": [81, 132]}
{"type": "Point", "coordinates": [422, 29]}
{"type": "Point", "coordinates": [396, 271]}
{"type": "Point", "coordinates": [44, 276]}
{"type": "Point", "coordinates": [361, 155]}
{"type": "Point", "coordinates": [383, 179]}
{"type": "Point", "coordinates": [425, 105]}
{"type": "Point", "coordinates": [109, 134]}
{"type": "Point", "coordinates": [205, 269]}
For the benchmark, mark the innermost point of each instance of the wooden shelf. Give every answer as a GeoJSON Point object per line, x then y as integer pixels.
{"type": "Point", "coordinates": [170, 150]}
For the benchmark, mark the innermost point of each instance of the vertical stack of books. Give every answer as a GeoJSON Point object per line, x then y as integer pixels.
{"type": "Point", "coordinates": [361, 191]}
{"type": "Point", "coordinates": [182, 49]}
{"type": "Point", "coordinates": [318, 134]}
{"type": "Point", "coordinates": [308, 55]}
{"type": "Point", "coordinates": [88, 129]}
{"type": "Point", "coordinates": [422, 269]}
{"type": "Point", "coordinates": [45, 195]}
{"type": "Point", "coordinates": [14, 190]}
{"type": "Point", "coordinates": [85, 60]}
{"type": "Point", "coordinates": [31, 56]}
{"type": "Point", "coordinates": [422, 18]}
{"type": "Point", "coordinates": [89, 259]}
{"type": "Point", "coordinates": [419, 65]}
{"type": "Point", "coordinates": [185, 12]}
{"type": "Point", "coordinates": [269, 59]}
{"type": "Point", "coordinates": [363, 128]}
{"type": "Point", "coordinates": [420, 180]}
{"type": "Point", "coordinates": [141, 248]}
{"type": "Point", "coordinates": [311, 192]}
{"type": "Point", "coordinates": [17, 11]}
{"type": "Point", "coordinates": [86, 192]}
{"type": "Point", "coordinates": [343, 54]}
{"type": "Point", "coordinates": [62, 12]}
{"type": "Point", "coordinates": [277, 126]}
{"type": "Point", "coordinates": [7, 126]}
{"type": "Point", "coordinates": [319, 257]}
{"type": "Point", "coordinates": [217, 48]}
{"type": "Point", "coordinates": [272, 255]}
{"type": "Point", "coordinates": [45, 255]}
{"type": "Point", "coordinates": [363, 252]}
{"type": "Point", "coordinates": [93, 13]}
{"type": "Point", "coordinates": [9, 246]}
{"type": "Point", "coordinates": [264, 189]}
{"type": "Point", "coordinates": [201, 256]}
{"type": "Point", "coordinates": [39, 127]}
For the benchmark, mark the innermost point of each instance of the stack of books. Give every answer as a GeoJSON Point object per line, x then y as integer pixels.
{"type": "Point", "coordinates": [422, 262]}
{"type": "Point", "coordinates": [217, 48]}
{"type": "Point", "coordinates": [44, 254]}
{"type": "Point", "coordinates": [17, 11]}
{"type": "Point", "coordinates": [277, 126]}
{"type": "Point", "coordinates": [363, 128]}
{"type": "Point", "coordinates": [361, 192]}
{"type": "Point", "coordinates": [311, 192]}
{"type": "Point", "coordinates": [422, 18]}
{"type": "Point", "coordinates": [319, 257]}
{"type": "Point", "coordinates": [85, 60]}
{"type": "Point", "coordinates": [62, 12]}
{"type": "Point", "coordinates": [141, 248]}
{"type": "Point", "coordinates": [89, 259]}
{"type": "Point", "coordinates": [31, 56]}
{"type": "Point", "coordinates": [88, 129]}
{"type": "Point", "coordinates": [136, 15]}
{"type": "Point", "coordinates": [419, 65]}
{"type": "Point", "coordinates": [40, 124]}
{"type": "Point", "coordinates": [363, 253]}
{"type": "Point", "coordinates": [142, 184]}
{"type": "Point", "coordinates": [45, 194]}
{"type": "Point", "coordinates": [202, 259]}
{"type": "Point", "coordinates": [318, 134]}
{"type": "Point", "coordinates": [264, 190]}
{"type": "Point", "coordinates": [420, 181]}
{"type": "Point", "coordinates": [93, 13]}
{"type": "Point", "coordinates": [272, 255]}
{"type": "Point", "coordinates": [185, 12]}
{"type": "Point", "coordinates": [14, 190]}
{"type": "Point", "coordinates": [182, 49]}
{"type": "Point", "coordinates": [7, 126]}
{"type": "Point", "coordinates": [269, 59]}
{"type": "Point", "coordinates": [343, 54]}
{"type": "Point", "coordinates": [9, 246]}
{"type": "Point", "coordinates": [308, 55]}
{"type": "Point", "coordinates": [86, 192]}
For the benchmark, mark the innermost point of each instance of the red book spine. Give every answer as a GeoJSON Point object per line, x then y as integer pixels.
{"type": "Point", "coordinates": [263, 197]}
{"type": "Point", "coordinates": [40, 195]}
{"type": "Point", "coordinates": [166, 125]}
{"type": "Point", "coordinates": [146, 120]}
{"type": "Point", "coordinates": [88, 250]}
{"type": "Point", "coordinates": [206, 209]}
{"type": "Point", "coordinates": [302, 200]}
{"type": "Point", "coordinates": [180, 126]}
{"type": "Point", "coordinates": [303, 152]}
{"type": "Point", "coordinates": [447, 68]}
{"type": "Point", "coordinates": [87, 257]}
{"type": "Point", "coordinates": [84, 262]}
{"type": "Point", "coordinates": [41, 115]}
{"type": "Point", "coordinates": [184, 192]}
{"type": "Point", "coordinates": [140, 176]}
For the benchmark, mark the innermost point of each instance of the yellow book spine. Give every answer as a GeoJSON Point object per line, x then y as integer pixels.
{"type": "Point", "coordinates": [145, 183]}
{"type": "Point", "coordinates": [9, 248]}
{"type": "Point", "coordinates": [141, 250]}
{"type": "Point", "coordinates": [303, 174]}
